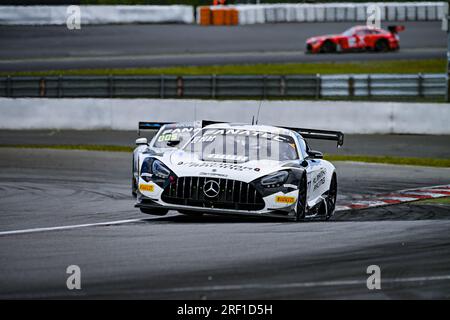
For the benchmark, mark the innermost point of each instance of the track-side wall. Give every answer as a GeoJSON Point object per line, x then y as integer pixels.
{"type": "Point", "coordinates": [124, 114]}
{"type": "Point", "coordinates": [224, 15]}
{"type": "Point", "coordinates": [58, 15]}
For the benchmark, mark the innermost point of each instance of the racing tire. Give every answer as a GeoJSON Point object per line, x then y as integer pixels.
{"type": "Point", "coordinates": [331, 197]}
{"type": "Point", "coordinates": [154, 211]}
{"type": "Point", "coordinates": [328, 47]}
{"type": "Point", "coordinates": [133, 188]}
{"type": "Point", "coordinates": [381, 45]}
{"type": "Point", "coordinates": [301, 200]}
{"type": "Point", "coordinates": [133, 180]}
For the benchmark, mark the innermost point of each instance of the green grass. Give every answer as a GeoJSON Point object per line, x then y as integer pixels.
{"type": "Point", "coordinates": [445, 200]}
{"type": "Point", "coordinates": [427, 162]}
{"type": "Point", "coordinates": [388, 66]}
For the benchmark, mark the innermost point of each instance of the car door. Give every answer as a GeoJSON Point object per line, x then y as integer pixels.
{"type": "Point", "coordinates": [315, 173]}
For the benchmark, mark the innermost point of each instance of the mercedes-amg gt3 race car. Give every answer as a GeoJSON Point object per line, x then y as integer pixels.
{"type": "Point", "coordinates": [241, 169]}
{"type": "Point", "coordinates": [359, 38]}
{"type": "Point", "coordinates": [169, 136]}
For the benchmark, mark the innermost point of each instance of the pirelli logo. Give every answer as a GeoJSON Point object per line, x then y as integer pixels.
{"type": "Point", "coordinates": [285, 199]}
{"type": "Point", "coordinates": [147, 187]}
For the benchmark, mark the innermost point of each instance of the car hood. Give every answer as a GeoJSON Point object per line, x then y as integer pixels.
{"type": "Point", "coordinates": [189, 164]}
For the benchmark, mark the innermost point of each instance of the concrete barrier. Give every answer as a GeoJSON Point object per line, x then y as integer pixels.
{"type": "Point", "coordinates": [122, 114]}
{"type": "Point", "coordinates": [57, 15]}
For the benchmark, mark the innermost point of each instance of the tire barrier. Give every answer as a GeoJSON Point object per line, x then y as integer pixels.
{"type": "Point", "coordinates": [325, 12]}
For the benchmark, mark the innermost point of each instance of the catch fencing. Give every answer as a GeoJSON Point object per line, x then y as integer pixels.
{"type": "Point", "coordinates": [227, 86]}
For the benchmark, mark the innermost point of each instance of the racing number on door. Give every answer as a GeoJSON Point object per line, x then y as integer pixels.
{"type": "Point", "coordinates": [356, 42]}
{"type": "Point", "coordinates": [352, 42]}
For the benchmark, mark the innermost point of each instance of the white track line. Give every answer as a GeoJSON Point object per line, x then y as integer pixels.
{"type": "Point", "coordinates": [303, 284]}
{"type": "Point", "coordinates": [75, 226]}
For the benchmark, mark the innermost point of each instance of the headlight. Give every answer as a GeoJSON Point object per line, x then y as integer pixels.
{"type": "Point", "coordinates": [146, 169]}
{"type": "Point", "coordinates": [275, 179]}
{"type": "Point", "coordinates": [160, 170]}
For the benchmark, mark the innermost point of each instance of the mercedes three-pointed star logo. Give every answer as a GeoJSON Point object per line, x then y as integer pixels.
{"type": "Point", "coordinates": [211, 188]}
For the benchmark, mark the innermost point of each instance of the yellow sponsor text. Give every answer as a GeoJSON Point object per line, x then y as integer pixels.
{"type": "Point", "coordinates": [285, 199]}
{"type": "Point", "coordinates": [147, 187]}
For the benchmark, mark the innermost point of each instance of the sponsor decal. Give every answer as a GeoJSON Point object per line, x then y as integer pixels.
{"type": "Point", "coordinates": [285, 199]}
{"type": "Point", "coordinates": [319, 179]}
{"type": "Point", "coordinates": [213, 174]}
{"type": "Point", "coordinates": [168, 137]}
{"type": "Point", "coordinates": [146, 187]}
{"type": "Point", "coordinates": [228, 157]}
{"type": "Point", "coordinates": [250, 133]}
{"type": "Point", "coordinates": [217, 165]}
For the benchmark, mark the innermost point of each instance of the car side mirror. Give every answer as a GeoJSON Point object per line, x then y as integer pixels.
{"type": "Point", "coordinates": [141, 141]}
{"type": "Point", "coordinates": [173, 143]}
{"type": "Point", "coordinates": [315, 154]}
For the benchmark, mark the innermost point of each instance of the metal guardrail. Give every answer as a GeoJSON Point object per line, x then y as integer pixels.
{"type": "Point", "coordinates": [223, 86]}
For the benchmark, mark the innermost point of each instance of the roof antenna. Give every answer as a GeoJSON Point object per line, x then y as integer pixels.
{"type": "Point", "coordinates": [259, 108]}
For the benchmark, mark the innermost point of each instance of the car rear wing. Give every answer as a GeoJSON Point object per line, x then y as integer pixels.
{"type": "Point", "coordinates": [320, 135]}
{"type": "Point", "coordinates": [143, 125]}
{"type": "Point", "coordinates": [395, 29]}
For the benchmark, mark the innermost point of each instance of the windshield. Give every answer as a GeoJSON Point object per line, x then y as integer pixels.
{"type": "Point", "coordinates": [239, 145]}
{"type": "Point", "coordinates": [348, 32]}
{"type": "Point", "coordinates": [182, 135]}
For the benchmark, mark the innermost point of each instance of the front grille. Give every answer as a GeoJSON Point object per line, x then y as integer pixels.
{"type": "Point", "coordinates": [233, 194]}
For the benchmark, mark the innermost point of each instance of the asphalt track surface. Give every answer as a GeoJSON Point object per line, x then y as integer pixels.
{"type": "Point", "coordinates": [209, 257]}
{"type": "Point", "coordinates": [134, 46]}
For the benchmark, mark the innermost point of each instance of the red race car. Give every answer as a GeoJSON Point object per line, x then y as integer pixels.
{"type": "Point", "coordinates": [359, 38]}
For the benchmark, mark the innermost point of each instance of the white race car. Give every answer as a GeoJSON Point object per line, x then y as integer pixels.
{"type": "Point", "coordinates": [241, 169]}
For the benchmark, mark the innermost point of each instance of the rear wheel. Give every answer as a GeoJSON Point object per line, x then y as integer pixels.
{"type": "Point", "coordinates": [154, 211]}
{"type": "Point", "coordinates": [301, 201]}
{"type": "Point", "coordinates": [331, 197]}
{"type": "Point", "coordinates": [328, 47]}
{"type": "Point", "coordinates": [381, 45]}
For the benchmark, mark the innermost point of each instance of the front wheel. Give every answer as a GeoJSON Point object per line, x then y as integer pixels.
{"type": "Point", "coordinates": [155, 211]}
{"type": "Point", "coordinates": [331, 197]}
{"type": "Point", "coordinates": [133, 187]}
{"type": "Point", "coordinates": [328, 47]}
{"type": "Point", "coordinates": [302, 198]}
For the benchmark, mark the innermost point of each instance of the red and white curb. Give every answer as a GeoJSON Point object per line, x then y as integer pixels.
{"type": "Point", "coordinates": [397, 197]}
